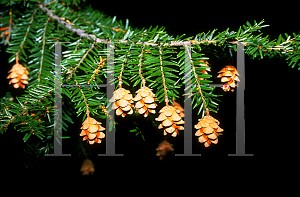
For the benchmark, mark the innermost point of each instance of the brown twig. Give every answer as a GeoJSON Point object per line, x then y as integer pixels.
{"type": "Point", "coordinates": [140, 64]}
{"type": "Point", "coordinates": [42, 58]}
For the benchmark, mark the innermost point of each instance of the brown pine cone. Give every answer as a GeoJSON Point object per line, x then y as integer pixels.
{"type": "Point", "coordinates": [122, 102]}
{"type": "Point", "coordinates": [209, 130]}
{"type": "Point", "coordinates": [164, 149]}
{"type": "Point", "coordinates": [18, 76]}
{"type": "Point", "coordinates": [87, 167]}
{"type": "Point", "coordinates": [229, 75]}
{"type": "Point", "coordinates": [145, 101]}
{"type": "Point", "coordinates": [91, 130]}
{"type": "Point", "coordinates": [171, 120]}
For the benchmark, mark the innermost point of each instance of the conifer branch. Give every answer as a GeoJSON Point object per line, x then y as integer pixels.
{"type": "Point", "coordinates": [25, 37]}
{"type": "Point", "coordinates": [101, 64]}
{"type": "Point", "coordinates": [98, 40]}
{"type": "Point", "coordinates": [69, 25]}
{"type": "Point", "coordinates": [43, 50]}
{"type": "Point", "coordinates": [8, 29]}
{"type": "Point", "coordinates": [221, 39]}
{"type": "Point", "coordinates": [61, 35]}
{"type": "Point", "coordinates": [151, 65]}
{"type": "Point", "coordinates": [196, 78]}
{"type": "Point", "coordinates": [83, 57]}
{"type": "Point", "coordinates": [78, 42]}
{"type": "Point", "coordinates": [9, 25]}
{"type": "Point", "coordinates": [108, 27]}
{"type": "Point", "coordinates": [84, 99]}
{"type": "Point", "coordinates": [9, 116]}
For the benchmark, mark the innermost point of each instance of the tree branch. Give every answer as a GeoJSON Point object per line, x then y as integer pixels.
{"type": "Point", "coordinates": [99, 40]}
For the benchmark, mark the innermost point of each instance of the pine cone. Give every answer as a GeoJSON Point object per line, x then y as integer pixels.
{"type": "Point", "coordinates": [91, 130]}
{"type": "Point", "coordinates": [164, 149]}
{"type": "Point", "coordinates": [170, 119]}
{"type": "Point", "coordinates": [18, 76]}
{"type": "Point", "coordinates": [87, 167]}
{"type": "Point", "coordinates": [229, 75]}
{"type": "Point", "coordinates": [145, 101]}
{"type": "Point", "coordinates": [178, 108]}
{"type": "Point", "coordinates": [122, 102]}
{"type": "Point", "coordinates": [208, 130]}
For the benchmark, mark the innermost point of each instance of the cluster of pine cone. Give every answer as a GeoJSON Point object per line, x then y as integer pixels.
{"type": "Point", "coordinates": [145, 103]}
{"type": "Point", "coordinates": [123, 101]}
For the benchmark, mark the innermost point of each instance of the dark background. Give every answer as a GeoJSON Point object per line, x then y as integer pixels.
{"type": "Point", "coordinates": [271, 104]}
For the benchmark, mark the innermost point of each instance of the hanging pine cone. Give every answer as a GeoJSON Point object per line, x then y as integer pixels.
{"type": "Point", "coordinates": [164, 149]}
{"type": "Point", "coordinates": [87, 167]}
{"type": "Point", "coordinates": [91, 130]}
{"type": "Point", "coordinates": [169, 116]}
{"type": "Point", "coordinates": [229, 75]}
{"type": "Point", "coordinates": [209, 130]}
{"type": "Point", "coordinates": [18, 76]}
{"type": "Point", "coordinates": [122, 102]}
{"type": "Point", "coordinates": [145, 101]}
{"type": "Point", "coordinates": [178, 107]}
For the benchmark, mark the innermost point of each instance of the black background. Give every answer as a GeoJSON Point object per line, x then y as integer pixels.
{"type": "Point", "coordinates": [271, 104]}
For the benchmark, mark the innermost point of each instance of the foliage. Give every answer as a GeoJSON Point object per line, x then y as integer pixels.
{"type": "Point", "coordinates": [30, 31]}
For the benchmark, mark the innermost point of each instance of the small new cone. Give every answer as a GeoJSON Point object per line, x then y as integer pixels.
{"type": "Point", "coordinates": [91, 130]}
{"type": "Point", "coordinates": [164, 149]}
{"type": "Point", "coordinates": [229, 75]}
{"type": "Point", "coordinates": [122, 102]}
{"type": "Point", "coordinates": [145, 101]}
{"type": "Point", "coordinates": [209, 130]}
{"type": "Point", "coordinates": [170, 120]}
{"type": "Point", "coordinates": [18, 76]}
